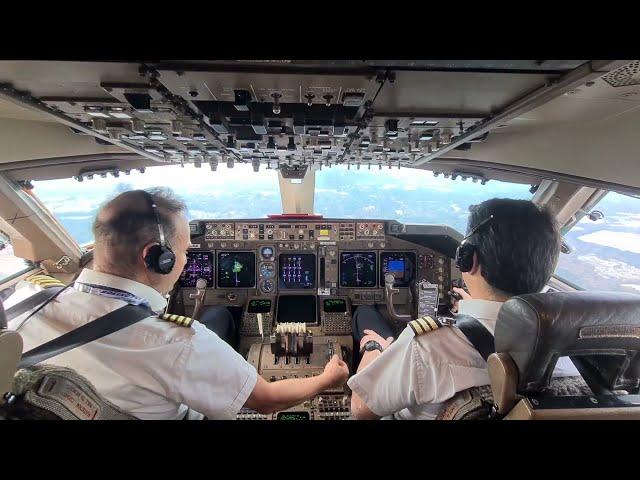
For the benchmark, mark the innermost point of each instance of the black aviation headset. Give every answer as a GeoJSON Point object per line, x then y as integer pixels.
{"type": "Point", "coordinates": [464, 252]}
{"type": "Point", "coordinates": [160, 258]}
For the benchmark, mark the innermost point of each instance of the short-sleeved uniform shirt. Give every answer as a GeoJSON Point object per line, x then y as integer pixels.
{"type": "Point", "coordinates": [416, 374]}
{"type": "Point", "coordinates": [153, 369]}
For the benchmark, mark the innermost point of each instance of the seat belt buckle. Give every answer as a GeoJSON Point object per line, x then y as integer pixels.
{"type": "Point", "coordinates": [447, 321]}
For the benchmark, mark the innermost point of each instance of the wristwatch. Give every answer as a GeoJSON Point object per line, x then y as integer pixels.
{"type": "Point", "coordinates": [371, 345]}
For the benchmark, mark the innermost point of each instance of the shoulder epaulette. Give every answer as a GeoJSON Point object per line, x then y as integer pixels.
{"type": "Point", "coordinates": [424, 324]}
{"type": "Point", "coordinates": [177, 319]}
{"type": "Point", "coordinates": [44, 281]}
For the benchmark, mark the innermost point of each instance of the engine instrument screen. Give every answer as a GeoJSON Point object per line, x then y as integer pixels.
{"type": "Point", "coordinates": [297, 271]}
{"type": "Point", "coordinates": [293, 416]}
{"type": "Point", "coordinates": [358, 269]}
{"type": "Point", "coordinates": [335, 305]}
{"type": "Point", "coordinates": [402, 265]}
{"type": "Point", "coordinates": [199, 265]}
{"type": "Point", "coordinates": [236, 269]}
{"type": "Point", "coordinates": [259, 306]}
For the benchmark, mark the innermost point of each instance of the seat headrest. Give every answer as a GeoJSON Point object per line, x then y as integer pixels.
{"type": "Point", "coordinates": [603, 327]}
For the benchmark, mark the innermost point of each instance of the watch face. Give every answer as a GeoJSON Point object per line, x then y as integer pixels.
{"type": "Point", "coordinates": [372, 345]}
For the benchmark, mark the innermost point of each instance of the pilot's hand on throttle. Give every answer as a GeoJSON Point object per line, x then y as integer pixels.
{"type": "Point", "coordinates": [464, 296]}
{"type": "Point", "coordinates": [371, 335]}
{"type": "Point", "coordinates": [335, 372]}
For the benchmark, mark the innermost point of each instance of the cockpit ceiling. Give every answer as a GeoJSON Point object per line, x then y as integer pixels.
{"type": "Point", "coordinates": [302, 113]}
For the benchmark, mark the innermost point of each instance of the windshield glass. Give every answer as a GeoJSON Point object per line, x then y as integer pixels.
{"type": "Point", "coordinates": [409, 196]}
{"type": "Point", "coordinates": [606, 252]}
{"type": "Point", "coordinates": [236, 192]}
{"type": "Point", "coordinates": [406, 195]}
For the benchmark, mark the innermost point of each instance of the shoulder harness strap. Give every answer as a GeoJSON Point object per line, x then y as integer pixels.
{"type": "Point", "coordinates": [44, 281]}
{"type": "Point", "coordinates": [477, 334]}
{"type": "Point", "coordinates": [177, 319]}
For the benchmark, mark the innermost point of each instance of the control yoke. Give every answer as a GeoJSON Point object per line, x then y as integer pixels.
{"type": "Point", "coordinates": [389, 292]}
{"type": "Point", "coordinates": [201, 290]}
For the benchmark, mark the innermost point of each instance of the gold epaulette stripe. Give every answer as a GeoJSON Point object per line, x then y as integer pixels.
{"type": "Point", "coordinates": [424, 324]}
{"type": "Point", "coordinates": [177, 319]}
{"type": "Point", "coordinates": [45, 281]}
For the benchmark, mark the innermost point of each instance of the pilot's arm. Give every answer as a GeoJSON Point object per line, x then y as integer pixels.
{"type": "Point", "coordinates": [217, 381]}
{"type": "Point", "coordinates": [269, 397]}
{"type": "Point", "coordinates": [390, 381]}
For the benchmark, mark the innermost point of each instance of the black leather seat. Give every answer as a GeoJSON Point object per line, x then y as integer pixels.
{"type": "Point", "coordinates": [599, 331]}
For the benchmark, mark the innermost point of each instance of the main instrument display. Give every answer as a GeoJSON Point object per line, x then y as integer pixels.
{"type": "Point", "coordinates": [199, 265]}
{"type": "Point", "coordinates": [236, 269]}
{"type": "Point", "coordinates": [402, 265]}
{"type": "Point", "coordinates": [358, 269]}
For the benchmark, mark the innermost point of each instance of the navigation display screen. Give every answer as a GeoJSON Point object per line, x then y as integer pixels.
{"type": "Point", "coordinates": [259, 306]}
{"type": "Point", "coordinates": [358, 269]}
{"type": "Point", "coordinates": [297, 271]}
{"type": "Point", "coordinates": [236, 269]}
{"type": "Point", "coordinates": [402, 265]}
{"type": "Point", "coordinates": [335, 305]}
{"type": "Point", "coordinates": [199, 265]}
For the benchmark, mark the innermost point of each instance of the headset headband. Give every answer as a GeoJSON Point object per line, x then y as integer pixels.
{"type": "Point", "coordinates": [475, 229]}
{"type": "Point", "coordinates": [154, 208]}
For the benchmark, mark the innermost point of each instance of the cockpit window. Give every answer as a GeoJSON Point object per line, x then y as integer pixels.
{"type": "Point", "coordinates": [10, 265]}
{"type": "Point", "coordinates": [236, 192]}
{"type": "Point", "coordinates": [406, 195]}
{"type": "Point", "coordinates": [605, 253]}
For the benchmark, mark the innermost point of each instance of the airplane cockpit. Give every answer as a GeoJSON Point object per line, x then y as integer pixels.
{"type": "Point", "coordinates": [562, 131]}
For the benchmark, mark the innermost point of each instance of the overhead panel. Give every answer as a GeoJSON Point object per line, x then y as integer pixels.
{"type": "Point", "coordinates": [302, 113]}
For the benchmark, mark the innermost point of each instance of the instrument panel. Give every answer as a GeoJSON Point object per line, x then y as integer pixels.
{"type": "Point", "coordinates": [284, 276]}
{"type": "Point", "coordinates": [269, 257]}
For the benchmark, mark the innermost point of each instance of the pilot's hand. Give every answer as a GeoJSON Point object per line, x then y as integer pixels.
{"type": "Point", "coordinates": [335, 372]}
{"type": "Point", "coordinates": [371, 335]}
{"type": "Point", "coordinates": [464, 295]}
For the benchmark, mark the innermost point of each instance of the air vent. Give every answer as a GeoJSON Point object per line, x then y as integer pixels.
{"type": "Point", "coordinates": [624, 76]}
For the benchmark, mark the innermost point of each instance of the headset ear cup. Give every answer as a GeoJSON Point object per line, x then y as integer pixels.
{"type": "Point", "coordinates": [464, 257]}
{"type": "Point", "coordinates": [151, 258]}
{"type": "Point", "coordinates": [166, 261]}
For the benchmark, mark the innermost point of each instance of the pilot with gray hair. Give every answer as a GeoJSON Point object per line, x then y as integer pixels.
{"type": "Point", "coordinates": [164, 366]}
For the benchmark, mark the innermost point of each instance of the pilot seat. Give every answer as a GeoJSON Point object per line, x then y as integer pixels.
{"type": "Point", "coordinates": [598, 331]}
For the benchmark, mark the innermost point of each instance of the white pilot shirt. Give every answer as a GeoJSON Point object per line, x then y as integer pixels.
{"type": "Point", "coordinates": [415, 374]}
{"type": "Point", "coordinates": [154, 369]}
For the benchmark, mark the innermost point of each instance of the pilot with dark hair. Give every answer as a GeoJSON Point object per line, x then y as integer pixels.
{"type": "Point", "coordinates": [511, 249]}
{"type": "Point", "coordinates": [162, 367]}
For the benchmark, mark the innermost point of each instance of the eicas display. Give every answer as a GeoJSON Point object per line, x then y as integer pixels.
{"type": "Point", "coordinates": [297, 271]}
{"type": "Point", "coordinates": [199, 265]}
{"type": "Point", "coordinates": [236, 270]}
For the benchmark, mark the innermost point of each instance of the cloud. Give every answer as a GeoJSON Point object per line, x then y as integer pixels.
{"type": "Point", "coordinates": [399, 212]}
{"type": "Point", "coordinates": [611, 268]}
{"type": "Point", "coordinates": [626, 241]}
{"type": "Point", "coordinates": [203, 214]}
{"type": "Point", "coordinates": [369, 208]}
{"type": "Point", "coordinates": [75, 205]}
{"type": "Point", "coordinates": [631, 285]}
{"type": "Point", "coordinates": [331, 191]}
{"type": "Point", "coordinates": [455, 208]}
{"type": "Point", "coordinates": [625, 219]}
